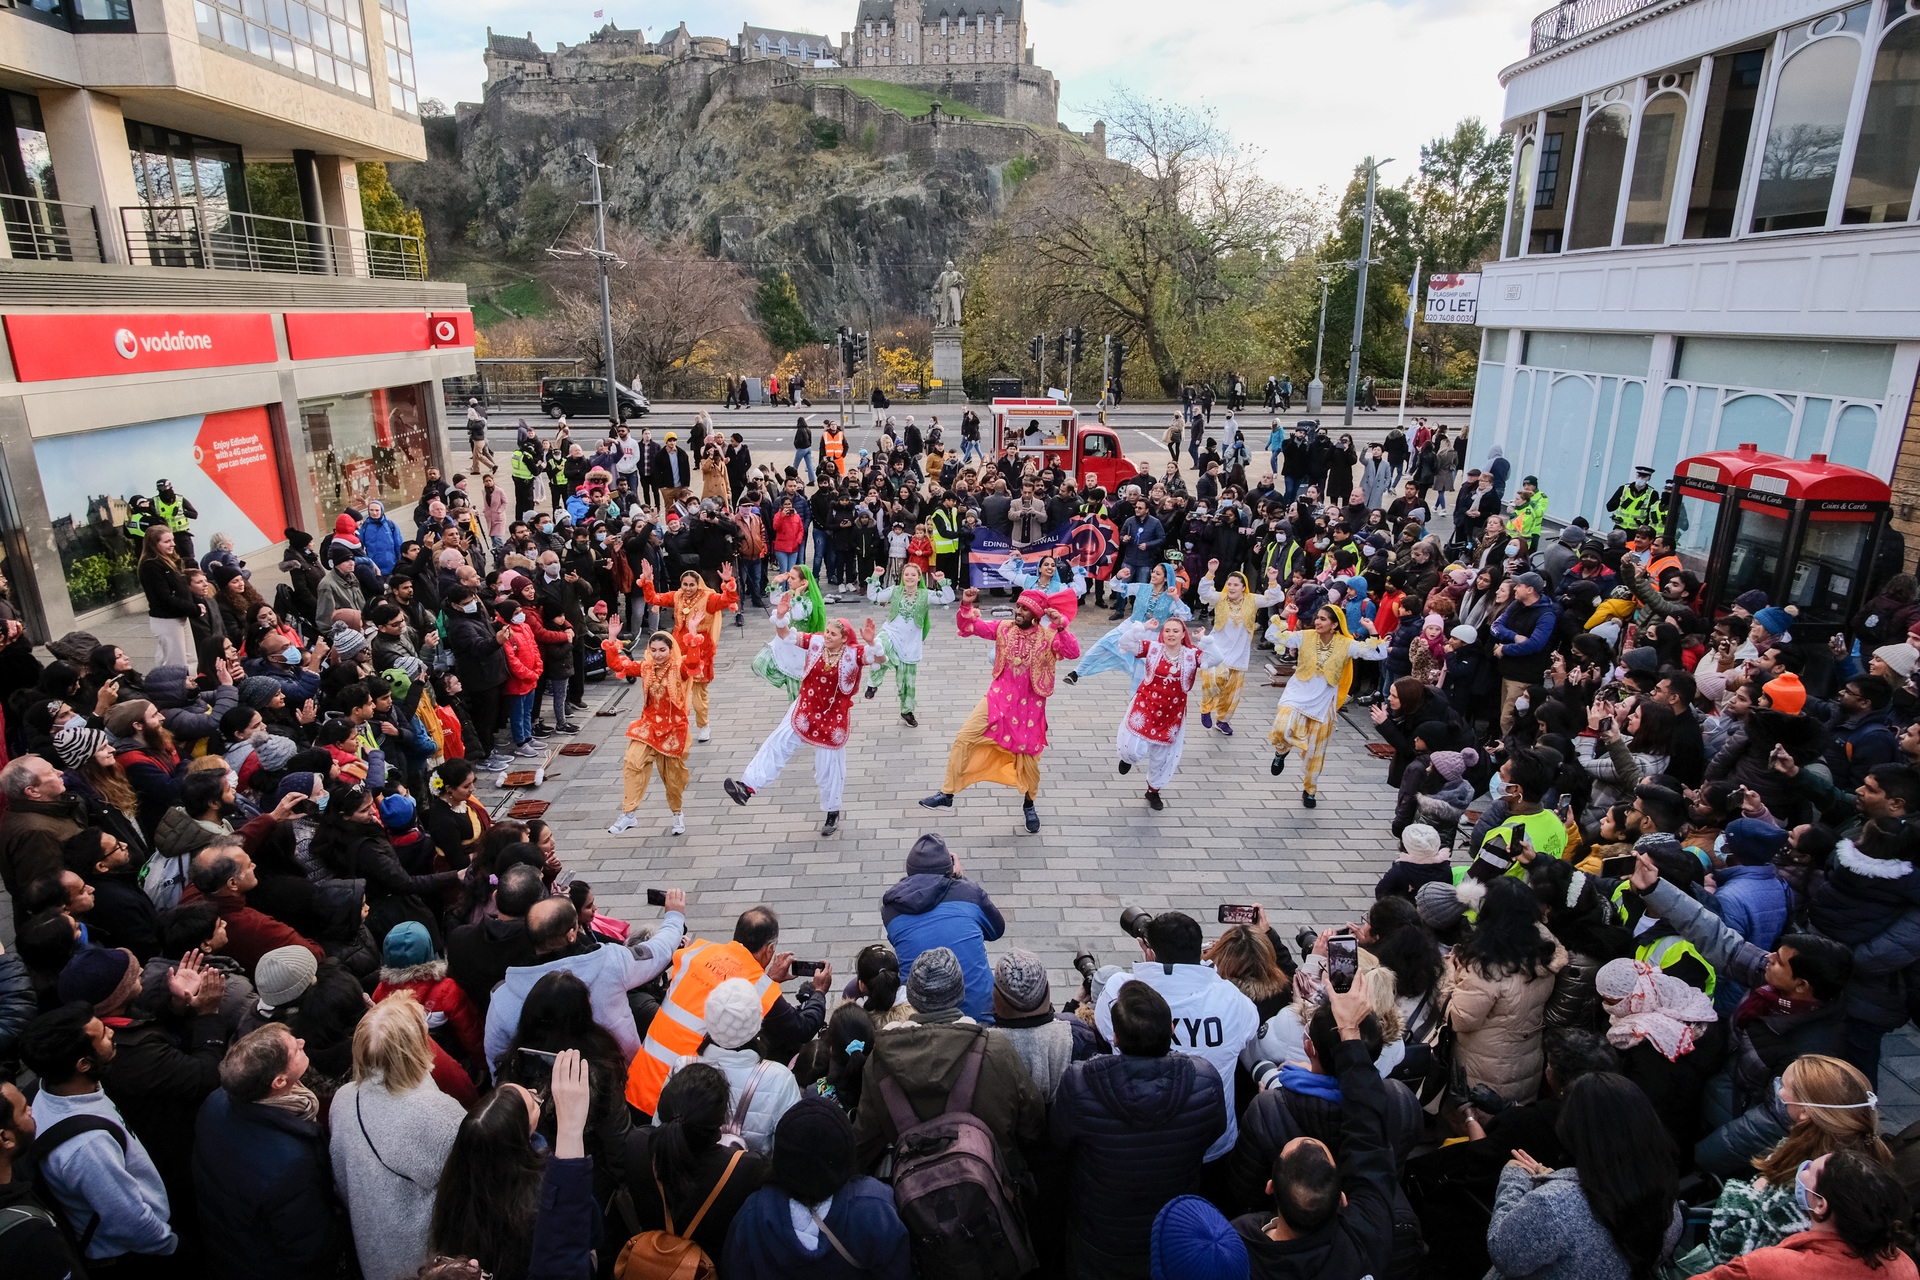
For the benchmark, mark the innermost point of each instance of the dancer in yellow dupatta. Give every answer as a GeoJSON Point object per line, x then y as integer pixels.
{"type": "Point", "coordinates": [1318, 689]}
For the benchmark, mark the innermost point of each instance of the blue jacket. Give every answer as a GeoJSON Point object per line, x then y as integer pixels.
{"type": "Point", "coordinates": [1858, 745]}
{"type": "Point", "coordinates": [297, 683]}
{"type": "Point", "coordinates": [761, 1244]}
{"type": "Point", "coordinates": [1149, 536]}
{"type": "Point", "coordinates": [382, 538]}
{"type": "Point", "coordinates": [925, 911]}
{"type": "Point", "coordinates": [1754, 903]}
{"type": "Point", "coordinates": [262, 1178]}
{"type": "Point", "coordinates": [563, 1229]}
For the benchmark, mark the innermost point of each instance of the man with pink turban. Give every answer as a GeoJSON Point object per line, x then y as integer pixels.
{"type": "Point", "coordinates": [1003, 738]}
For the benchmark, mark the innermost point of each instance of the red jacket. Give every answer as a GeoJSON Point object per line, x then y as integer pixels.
{"type": "Point", "coordinates": [1811, 1255]}
{"type": "Point", "coordinates": [250, 933]}
{"type": "Point", "coordinates": [523, 659]}
{"type": "Point", "coordinates": [446, 1004]}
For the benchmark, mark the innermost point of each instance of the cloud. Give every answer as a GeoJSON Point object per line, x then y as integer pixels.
{"type": "Point", "coordinates": [1316, 84]}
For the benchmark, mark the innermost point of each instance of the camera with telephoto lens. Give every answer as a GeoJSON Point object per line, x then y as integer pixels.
{"type": "Point", "coordinates": [1134, 920]}
{"type": "Point", "coordinates": [1266, 1074]}
{"type": "Point", "coordinates": [1372, 699]}
{"type": "Point", "coordinates": [1305, 939]}
{"type": "Point", "coordinates": [1084, 961]}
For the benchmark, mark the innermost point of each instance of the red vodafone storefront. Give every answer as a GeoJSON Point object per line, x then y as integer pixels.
{"type": "Point", "coordinates": [263, 420]}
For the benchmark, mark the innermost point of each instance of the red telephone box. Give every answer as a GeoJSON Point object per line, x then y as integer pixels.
{"type": "Point", "coordinates": [1700, 513]}
{"type": "Point", "coordinates": [1806, 533]}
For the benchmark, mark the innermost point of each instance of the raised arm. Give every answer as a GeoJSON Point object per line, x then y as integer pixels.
{"type": "Point", "coordinates": [877, 593]}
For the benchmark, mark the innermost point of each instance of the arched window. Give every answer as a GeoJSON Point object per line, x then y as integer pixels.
{"type": "Point", "coordinates": [1887, 159]}
{"type": "Point", "coordinates": [1810, 105]}
{"type": "Point", "coordinates": [1522, 188]}
{"type": "Point", "coordinates": [1603, 158]}
{"type": "Point", "coordinates": [1656, 160]}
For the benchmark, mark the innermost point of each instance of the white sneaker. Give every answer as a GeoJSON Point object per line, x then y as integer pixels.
{"type": "Point", "coordinates": [625, 822]}
{"type": "Point", "coordinates": [702, 734]}
{"type": "Point", "coordinates": [527, 751]}
{"type": "Point", "coordinates": [497, 762]}
{"type": "Point", "coordinates": [679, 825]}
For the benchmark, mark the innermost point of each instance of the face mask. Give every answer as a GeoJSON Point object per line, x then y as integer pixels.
{"type": "Point", "coordinates": [599, 537]}
{"type": "Point", "coordinates": [291, 656]}
{"type": "Point", "coordinates": [1800, 1192]}
{"type": "Point", "coordinates": [546, 528]}
{"type": "Point", "coordinates": [1521, 703]}
{"type": "Point", "coordinates": [552, 571]}
{"type": "Point", "coordinates": [320, 801]}
{"type": "Point", "coordinates": [471, 606]}
{"type": "Point", "coordinates": [519, 618]}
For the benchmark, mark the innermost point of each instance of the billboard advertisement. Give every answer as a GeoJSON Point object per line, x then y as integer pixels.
{"type": "Point", "coordinates": [225, 464]}
{"type": "Point", "coordinates": [1453, 299]}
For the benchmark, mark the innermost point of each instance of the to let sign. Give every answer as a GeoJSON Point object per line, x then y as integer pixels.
{"type": "Point", "coordinates": [1453, 299]}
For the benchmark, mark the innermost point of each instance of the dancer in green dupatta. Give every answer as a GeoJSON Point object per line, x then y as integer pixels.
{"type": "Point", "coordinates": [783, 665]}
{"type": "Point", "coordinates": [903, 635]}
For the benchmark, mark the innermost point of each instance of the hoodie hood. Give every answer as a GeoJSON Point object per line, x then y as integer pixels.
{"type": "Point", "coordinates": [918, 894]}
{"type": "Point", "coordinates": [166, 688]}
{"type": "Point", "coordinates": [431, 971]}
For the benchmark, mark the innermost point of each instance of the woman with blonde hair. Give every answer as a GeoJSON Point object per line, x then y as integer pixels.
{"type": "Point", "coordinates": [1831, 1108]}
{"type": "Point", "coordinates": [392, 1130]}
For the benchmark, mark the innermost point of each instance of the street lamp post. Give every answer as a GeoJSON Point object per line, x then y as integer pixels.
{"type": "Point", "coordinates": [1360, 295]}
{"type": "Point", "coordinates": [1316, 390]}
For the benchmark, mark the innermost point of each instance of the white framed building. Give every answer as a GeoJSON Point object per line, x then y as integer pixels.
{"type": "Point", "coordinates": [1710, 239]}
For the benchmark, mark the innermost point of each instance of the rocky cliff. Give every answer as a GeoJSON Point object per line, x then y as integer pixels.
{"type": "Point", "coordinates": [766, 165]}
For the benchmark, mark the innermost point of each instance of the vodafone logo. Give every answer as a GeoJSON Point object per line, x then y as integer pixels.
{"type": "Point", "coordinates": [445, 330]}
{"type": "Point", "coordinates": [126, 344]}
{"type": "Point", "coordinates": [130, 344]}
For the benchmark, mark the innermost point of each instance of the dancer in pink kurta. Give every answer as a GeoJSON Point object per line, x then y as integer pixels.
{"type": "Point", "coordinates": [1003, 738]}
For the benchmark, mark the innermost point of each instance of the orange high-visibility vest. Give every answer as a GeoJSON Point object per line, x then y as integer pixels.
{"type": "Point", "coordinates": [833, 447]}
{"type": "Point", "coordinates": [676, 1031]}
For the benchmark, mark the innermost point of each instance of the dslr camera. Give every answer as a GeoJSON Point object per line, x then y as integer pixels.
{"type": "Point", "coordinates": [1134, 921]}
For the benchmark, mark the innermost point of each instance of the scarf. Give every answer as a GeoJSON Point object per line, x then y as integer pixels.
{"type": "Point", "coordinates": [816, 620]}
{"type": "Point", "coordinates": [1241, 615]}
{"type": "Point", "coordinates": [299, 1101]}
{"type": "Point", "coordinates": [1764, 1002]}
{"type": "Point", "coordinates": [1651, 1006]}
{"type": "Point", "coordinates": [687, 602]}
{"type": "Point", "coordinates": [664, 682]}
{"type": "Point", "coordinates": [1327, 659]}
{"type": "Point", "coordinates": [1298, 1079]}
{"type": "Point", "coordinates": [912, 606]}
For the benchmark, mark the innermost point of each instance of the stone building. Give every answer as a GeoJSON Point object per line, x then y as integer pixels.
{"type": "Point", "coordinates": [802, 48]}
{"type": "Point", "coordinates": [938, 33]}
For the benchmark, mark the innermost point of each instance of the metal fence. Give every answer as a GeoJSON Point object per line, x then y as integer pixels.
{"type": "Point", "coordinates": [1577, 17]}
{"type": "Point", "coordinates": [50, 230]}
{"type": "Point", "coordinates": [185, 235]}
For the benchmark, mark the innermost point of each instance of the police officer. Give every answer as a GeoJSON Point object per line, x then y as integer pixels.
{"type": "Point", "coordinates": [1529, 511]}
{"type": "Point", "coordinates": [1635, 504]}
{"type": "Point", "coordinates": [520, 465]}
{"type": "Point", "coordinates": [174, 511]}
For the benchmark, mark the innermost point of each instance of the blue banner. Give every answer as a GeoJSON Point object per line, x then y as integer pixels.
{"type": "Point", "coordinates": [990, 550]}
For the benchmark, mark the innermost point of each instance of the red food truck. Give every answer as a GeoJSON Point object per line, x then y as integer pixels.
{"type": "Point", "coordinates": [1049, 431]}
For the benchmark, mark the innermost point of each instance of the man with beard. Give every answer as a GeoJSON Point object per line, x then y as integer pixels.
{"type": "Point", "coordinates": [696, 611]}
{"type": "Point", "coordinates": [145, 750]}
{"type": "Point", "coordinates": [821, 713]}
{"type": "Point", "coordinates": [1002, 739]}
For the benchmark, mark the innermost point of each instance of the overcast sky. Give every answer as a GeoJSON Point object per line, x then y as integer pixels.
{"type": "Point", "coordinates": [1317, 84]}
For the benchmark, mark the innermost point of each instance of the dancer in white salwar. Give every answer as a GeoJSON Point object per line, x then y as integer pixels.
{"type": "Point", "coordinates": [1230, 642]}
{"type": "Point", "coordinates": [1154, 730]}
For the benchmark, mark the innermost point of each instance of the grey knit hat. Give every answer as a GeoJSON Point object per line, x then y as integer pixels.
{"type": "Point", "coordinates": [929, 856]}
{"type": "Point", "coordinates": [346, 641]}
{"type": "Point", "coordinates": [258, 691]}
{"type": "Point", "coordinates": [1020, 982]}
{"type": "Point", "coordinates": [284, 974]}
{"type": "Point", "coordinates": [1437, 905]}
{"type": "Point", "coordinates": [936, 982]}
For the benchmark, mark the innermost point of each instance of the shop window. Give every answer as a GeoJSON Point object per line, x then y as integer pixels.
{"type": "Point", "coordinates": [1522, 188]}
{"type": "Point", "coordinates": [366, 445]}
{"type": "Point", "coordinates": [1853, 436]}
{"type": "Point", "coordinates": [1809, 122]}
{"type": "Point", "coordinates": [1603, 159]}
{"type": "Point", "coordinates": [1656, 162]}
{"type": "Point", "coordinates": [1755, 419]}
{"type": "Point", "coordinates": [1549, 200]}
{"type": "Point", "coordinates": [1886, 160]}
{"type": "Point", "coordinates": [1725, 133]}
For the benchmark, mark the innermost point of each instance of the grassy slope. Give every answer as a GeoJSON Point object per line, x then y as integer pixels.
{"type": "Point", "coordinates": [909, 101]}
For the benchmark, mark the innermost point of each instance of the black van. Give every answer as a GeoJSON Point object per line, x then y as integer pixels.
{"type": "Point", "coordinates": [587, 398]}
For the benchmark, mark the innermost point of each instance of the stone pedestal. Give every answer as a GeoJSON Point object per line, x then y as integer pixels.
{"type": "Point", "coordinates": [946, 366]}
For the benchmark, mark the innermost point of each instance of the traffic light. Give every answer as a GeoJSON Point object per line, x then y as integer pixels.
{"type": "Point", "coordinates": [1075, 337]}
{"type": "Point", "coordinates": [1060, 349]}
{"type": "Point", "coordinates": [846, 349]}
{"type": "Point", "coordinates": [1038, 347]}
{"type": "Point", "coordinates": [859, 346]}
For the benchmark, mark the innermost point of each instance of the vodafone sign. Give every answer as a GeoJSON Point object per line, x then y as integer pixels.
{"type": "Point", "coordinates": [46, 347]}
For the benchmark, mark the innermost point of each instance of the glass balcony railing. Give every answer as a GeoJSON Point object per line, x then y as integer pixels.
{"type": "Point", "coordinates": [185, 235]}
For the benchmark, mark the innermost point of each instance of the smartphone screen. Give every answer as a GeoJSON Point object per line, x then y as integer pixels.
{"type": "Point", "coordinates": [1343, 961]}
{"type": "Point", "coordinates": [1235, 913]}
{"type": "Point", "coordinates": [805, 968]}
{"type": "Point", "coordinates": [1619, 867]}
{"type": "Point", "coordinates": [656, 897]}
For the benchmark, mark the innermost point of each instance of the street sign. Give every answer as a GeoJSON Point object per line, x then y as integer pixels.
{"type": "Point", "coordinates": [1453, 299]}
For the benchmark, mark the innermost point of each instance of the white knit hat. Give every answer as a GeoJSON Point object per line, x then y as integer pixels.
{"type": "Point", "coordinates": [733, 1013]}
{"type": "Point", "coordinates": [1901, 657]}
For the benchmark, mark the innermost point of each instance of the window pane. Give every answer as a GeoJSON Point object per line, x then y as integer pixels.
{"type": "Point", "coordinates": [282, 50]}
{"type": "Point", "coordinates": [233, 31]}
{"type": "Point", "coordinates": [1656, 158]}
{"type": "Point", "coordinates": [1888, 156]}
{"type": "Point", "coordinates": [386, 25]}
{"type": "Point", "coordinates": [1760, 420]}
{"type": "Point", "coordinates": [1803, 139]}
{"type": "Point", "coordinates": [1522, 188]}
{"type": "Point", "coordinates": [339, 37]}
{"type": "Point", "coordinates": [297, 21]}
{"type": "Point", "coordinates": [303, 59]}
{"type": "Point", "coordinates": [395, 98]}
{"type": "Point", "coordinates": [1853, 436]}
{"type": "Point", "coordinates": [413, 102]}
{"type": "Point", "coordinates": [1725, 130]}
{"type": "Point", "coordinates": [1603, 158]}
{"type": "Point", "coordinates": [1549, 182]}
{"type": "Point", "coordinates": [323, 67]}
{"type": "Point", "coordinates": [206, 20]}
{"type": "Point", "coordinates": [277, 14]}
{"type": "Point", "coordinates": [358, 43]}
{"type": "Point", "coordinates": [258, 42]}
{"type": "Point", "coordinates": [393, 67]}
{"type": "Point", "coordinates": [404, 32]}
{"type": "Point", "coordinates": [362, 83]}
{"type": "Point", "coordinates": [256, 10]}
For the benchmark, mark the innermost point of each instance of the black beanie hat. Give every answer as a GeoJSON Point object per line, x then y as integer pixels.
{"type": "Point", "coordinates": [813, 1151]}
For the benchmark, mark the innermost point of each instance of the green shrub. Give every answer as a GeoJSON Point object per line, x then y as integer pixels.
{"type": "Point", "coordinates": [826, 134]}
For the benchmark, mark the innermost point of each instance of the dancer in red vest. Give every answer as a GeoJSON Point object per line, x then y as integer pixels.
{"type": "Point", "coordinates": [820, 716]}
{"type": "Point", "coordinates": [1154, 730]}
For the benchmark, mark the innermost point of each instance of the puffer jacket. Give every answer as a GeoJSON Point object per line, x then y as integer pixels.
{"type": "Point", "coordinates": [1728, 1151]}
{"type": "Point", "coordinates": [925, 911]}
{"type": "Point", "coordinates": [1753, 902]}
{"type": "Point", "coordinates": [17, 1007]}
{"type": "Point", "coordinates": [1497, 1024]}
{"type": "Point", "coordinates": [1575, 1003]}
{"type": "Point", "coordinates": [1872, 905]}
{"type": "Point", "coordinates": [190, 715]}
{"type": "Point", "coordinates": [381, 537]}
{"type": "Point", "coordinates": [1135, 1132]}
{"type": "Point", "coordinates": [773, 1096]}
{"type": "Point", "coordinates": [450, 1015]}
{"type": "Point", "coordinates": [478, 659]}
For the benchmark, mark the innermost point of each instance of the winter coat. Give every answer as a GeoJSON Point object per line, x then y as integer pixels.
{"type": "Point", "coordinates": [608, 969]}
{"type": "Point", "coordinates": [773, 1095]}
{"type": "Point", "coordinates": [1544, 1229]}
{"type": "Point", "coordinates": [337, 591]}
{"type": "Point", "coordinates": [18, 1005]}
{"type": "Point", "coordinates": [923, 1058]}
{"type": "Point", "coordinates": [189, 714]}
{"type": "Point", "coordinates": [161, 1073]}
{"type": "Point", "coordinates": [1497, 1024]}
{"type": "Point", "coordinates": [762, 1246]}
{"type": "Point", "coordinates": [1754, 903]}
{"type": "Point", "coordinates": [251, 933]}
{"type": "Point", "coordinates": [1135, 1132]}
{"type": "Point", "coordinates": [450, 1015]}
{"type": "Point", "coordinates": [479, 955]}
{"type": "Point", "coordinates": [363, 851]}
{"type": "Point", "coordinates": [387, 1153]}
{"type": "Point", "coordinates": [1858, 745]}
{"type": "Point", "coordinates": [1811, 1255]}
{"type": "Point", "coordinates": [1676, 1087]}
{"type": "Point", "coordinates": [262, 1180]}
{"type": "Point", "coordinates": [478, 659]}
{"type": "Point", "coordinates": [709, 1164]}
{"type": "Point", "coordinates": [523, 660]}
{"type": "Point", "coordinates": [925, 911]}
{"type": "Point", "coordinates": [31, 833]}
{"type": "Point", "coordinates": [382, 538]}
{"type": "Point", "coordinates": [1872, 905]}
{"type": "Point", "coordinates": [1376, 479]}
{"type": "Point", "coordinates": [1358, 1241]}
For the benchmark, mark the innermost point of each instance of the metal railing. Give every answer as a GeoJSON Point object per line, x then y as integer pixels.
{"type": "Point", "coordinates": [1573, 18]}
{"type": "Point", "coordinates": [49, 230]}
{"type": "Point", "coordinates": [185, 235]}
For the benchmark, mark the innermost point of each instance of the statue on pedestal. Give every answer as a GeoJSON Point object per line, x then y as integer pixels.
{"type": "Point", "coordinates": [949, 288]}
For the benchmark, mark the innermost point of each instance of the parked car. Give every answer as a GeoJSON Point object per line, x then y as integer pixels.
{"type": "Point", "coordinates": [587, 398]}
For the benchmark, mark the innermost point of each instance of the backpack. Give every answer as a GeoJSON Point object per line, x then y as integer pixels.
{"type": "Point", "coordinates": [50, 1139]}
{"type": "Point", "coordinates": [733, 1132]}
{"type": "Point", "coordinates": [164, 879]}
{"type": "Point", "coordinates": [951, 1186]}
{"type": "Point", "coordinates": [671, 1254]}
